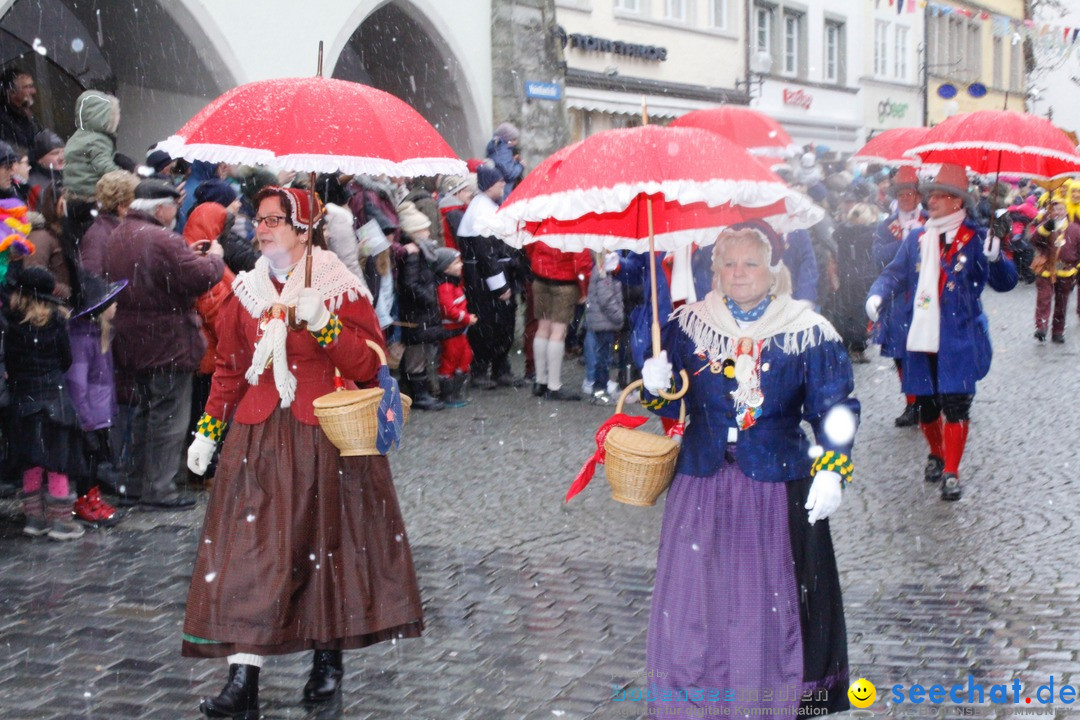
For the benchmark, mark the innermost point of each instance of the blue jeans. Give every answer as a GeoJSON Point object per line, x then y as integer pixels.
{"type": "Point", "coordinates": [598, 346]}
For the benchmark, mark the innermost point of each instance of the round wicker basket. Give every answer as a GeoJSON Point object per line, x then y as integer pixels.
{"type": "Point", "coordinates": [350, 417]}
{"type": "Point", "coordinates": [639, 465]}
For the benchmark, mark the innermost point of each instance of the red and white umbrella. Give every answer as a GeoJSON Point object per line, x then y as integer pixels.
{"type": "Point", "coordinates": [890, 146]}
{"type": "Point", "coordinates": [599, 193]}
{"type": "Point", "coordinates": [752, 129]}
{"type": "Point", "coordinates": [315, 124]}
{"type": "Point", "coordinates": [1001, 141]}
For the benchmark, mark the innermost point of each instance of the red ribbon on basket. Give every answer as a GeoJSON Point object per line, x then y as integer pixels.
{"type": "Point", "coordinates": [589, 468]}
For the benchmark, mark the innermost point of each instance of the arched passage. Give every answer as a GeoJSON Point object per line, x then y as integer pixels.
{"type": "Point", "coordinates": [157, 56]}
{"type": "Point", "coordinates": [397, 49]}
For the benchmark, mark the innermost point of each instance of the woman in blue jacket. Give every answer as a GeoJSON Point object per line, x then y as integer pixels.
{"type": "Point", "coordinates": [943, 267]}
{"type": "Point", "coordinates": [747, 597]}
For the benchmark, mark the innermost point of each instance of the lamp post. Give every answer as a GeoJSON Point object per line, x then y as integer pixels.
{"type": "Point", "coordinates": [759, 66]}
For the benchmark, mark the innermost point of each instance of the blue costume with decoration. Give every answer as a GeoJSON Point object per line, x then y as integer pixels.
{"type": "Point", "coordinates": [965, 351]}
{"type": "Point", "coordinates": [747, 593]}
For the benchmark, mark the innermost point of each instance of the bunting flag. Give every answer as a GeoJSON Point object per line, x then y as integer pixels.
{"type": "Point", "coordinates": [1049, 37]}
{"type": "Point", "coordinates": [899, 6]}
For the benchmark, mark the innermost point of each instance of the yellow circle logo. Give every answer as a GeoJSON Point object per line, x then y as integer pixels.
{"type": "Point", "coordinates": [862, 693]}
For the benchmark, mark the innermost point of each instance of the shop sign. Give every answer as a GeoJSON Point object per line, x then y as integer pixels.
{"type": "Point", "coordinates": [798, 98]}
{"type": "Point", "coordinates": [591, 43]}
{"type": "Point", "coordinates": [890, 109]}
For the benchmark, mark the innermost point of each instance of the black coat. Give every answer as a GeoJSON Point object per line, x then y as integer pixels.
{"type": "Point", "coordinates": [418, 301]}
{"type": "Point", "coordinates": [36, 359]}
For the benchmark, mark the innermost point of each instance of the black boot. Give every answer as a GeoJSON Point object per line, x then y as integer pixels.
{"type": "Point", "coordinates": [325, 678]}
{"type": "Point", "coordinates": [448, 393]}
{"type": "Point", "coordinates": [422, 399]}
{"type": "Point", "coordinates": [239, 699]}
{"type": "Point", "coordinates": [909, 417]}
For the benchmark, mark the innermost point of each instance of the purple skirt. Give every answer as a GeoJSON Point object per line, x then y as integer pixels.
{"type": "Point", "coordinates": [746, 610]}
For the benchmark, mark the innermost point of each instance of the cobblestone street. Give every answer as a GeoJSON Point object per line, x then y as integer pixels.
{"type": "Point", "coordinates": [537, 609]}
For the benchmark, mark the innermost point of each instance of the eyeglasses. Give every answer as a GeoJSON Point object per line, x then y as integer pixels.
{"type": "Point", "coordinates": [272, 221]}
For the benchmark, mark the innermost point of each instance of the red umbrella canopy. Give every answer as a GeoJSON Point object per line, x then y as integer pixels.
{"type": "Point", "coordinates": [315, 124]}
{"type": "Point", "coordinates": [596, 193]}
{"type": "Point", "coordinates": [1001, 141]}
{"type": "Point", "coordinates": [751, 129]}
{"type": "Point", "coordinates": [889, 147]}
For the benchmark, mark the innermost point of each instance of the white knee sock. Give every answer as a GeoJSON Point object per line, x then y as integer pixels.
{"type": "Point", "coordinates": [246, 659]}
{"type": "Point", "coordinates": [540, 359]}
{"type": "Point", "coordinates": [555, 351]}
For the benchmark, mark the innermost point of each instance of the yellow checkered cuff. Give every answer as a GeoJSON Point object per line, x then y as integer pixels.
{"type": "Point", "coordinates": [330, 333]}
{"type": "Point", "coordinates": [210, 427]}
{"type": "Point", "coordinates": [836, 462]}
{"type": "Point", "coordinates": [657, 402]}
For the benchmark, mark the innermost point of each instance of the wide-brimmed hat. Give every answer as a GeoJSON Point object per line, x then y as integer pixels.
{"type": "Point", "coordinates": [905, 179]}
{"type": "Point", "coordinates": [97, 294]}
{"type": "Point", "coordinates": [453, 184]}
{"type": "Point", "coordinates": [952, 179]}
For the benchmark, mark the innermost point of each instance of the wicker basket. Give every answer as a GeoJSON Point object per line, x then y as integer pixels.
{"type": "Point", "coordinates": [350, 417]}
{"type": "Point", "coordinates": [639, 465]}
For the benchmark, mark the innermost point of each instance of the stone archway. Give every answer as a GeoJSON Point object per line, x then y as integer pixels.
{"type": "Point", "coordinates": [398, 50]}
{"type": "Point", "coordinates": [162, 61]}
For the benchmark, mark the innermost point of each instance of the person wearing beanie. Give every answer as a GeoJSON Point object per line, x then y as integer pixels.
{"type": "Point", "coordinates": [490, 267]}
{"type": "Point", "coordinates": [46, 165]}
{"type": "Point", "coordinates": [418, 307]}
{"type": "Point", "coordinates": [456, 357]}
{"type": "Point", "coordinates": [939, 274]}
{"type": "Point", "coordinates": [220, 192]}
{"type": "Point", "coordinates": [502, 151]}
{"type": "Point", "coordinates": [890, 331]}
{"type": "Point", "coordinates": [455, 194]}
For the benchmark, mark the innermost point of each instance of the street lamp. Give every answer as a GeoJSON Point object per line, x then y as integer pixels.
{"type": "Point", "coordinates": [760, 65]}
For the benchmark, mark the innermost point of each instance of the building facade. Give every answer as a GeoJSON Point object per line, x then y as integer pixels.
{"type": "Point", "coordinates": [974, 58]}
{"type": "Point", "coordinates": [807, 57]}
{"type": "Point", "coordinates": [676, 55]}
{"type": "Point", "coordinates": [166, 59]}
{"type": "Point", "coordinates": [891, 69]}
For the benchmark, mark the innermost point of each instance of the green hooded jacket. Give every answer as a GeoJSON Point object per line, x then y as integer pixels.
{"type": "Point", "coordinates": [89, 152]}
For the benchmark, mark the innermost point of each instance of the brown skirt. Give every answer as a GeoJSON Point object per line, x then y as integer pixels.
{"type": "Point", "coordinates": [301, 549]}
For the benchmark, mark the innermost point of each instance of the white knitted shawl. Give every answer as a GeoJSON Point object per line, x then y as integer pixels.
{"type": "Point", "coordinates": [791, 324]}
{"type": "Point", "coordinates": [257, 293]}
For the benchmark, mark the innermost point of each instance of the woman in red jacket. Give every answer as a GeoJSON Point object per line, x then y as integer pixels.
{"type": "Point", "coordinates": [302, 549]}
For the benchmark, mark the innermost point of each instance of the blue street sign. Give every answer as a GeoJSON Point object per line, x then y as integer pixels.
{"type": "Point", "coordinates": [543, 90]}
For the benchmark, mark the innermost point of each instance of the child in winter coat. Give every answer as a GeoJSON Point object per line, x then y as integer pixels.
{"type": "Point", "coordinates": [456, 353]}
{"type": "Point", "coordinates": [90, 150]}
{"type": "Point", "coordinates": [91, 387]}
{"type": "Point", "coordinates": [603, 320]}
{"type": "Point", "coordinates": [47, 444]}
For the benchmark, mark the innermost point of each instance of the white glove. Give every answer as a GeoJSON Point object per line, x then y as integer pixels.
{"type": "Point", "coordinates": [311, 309]}
{"type": "Point", "coordinates": [992, 248]}
{"type": "Point", "coordinates": [824, 496]}
{"type": "Point", "coordinates": [657, 373]}
{"type": "Point", "coordinates": [611, 262]}
{"type": "Point", "coordinates": [199, 454]}
{"type": "Point", "coordinates": [873, 306]}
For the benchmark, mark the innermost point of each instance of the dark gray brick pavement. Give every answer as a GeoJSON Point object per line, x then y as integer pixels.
{"type": "Point", "coordinates": [536, 609]}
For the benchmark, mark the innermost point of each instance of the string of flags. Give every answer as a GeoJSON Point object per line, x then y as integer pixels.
{"type": "Point", "coordinates": [1052, 37]}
